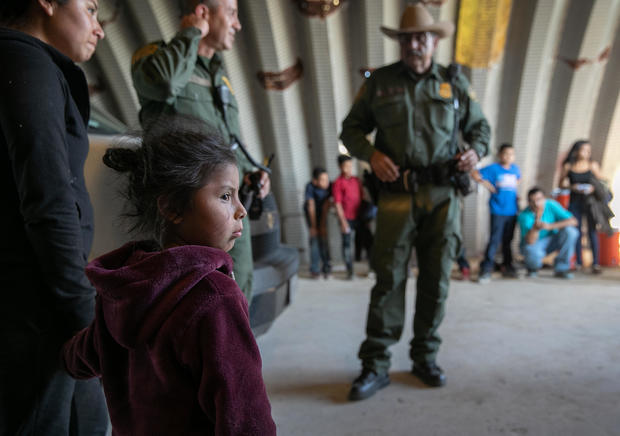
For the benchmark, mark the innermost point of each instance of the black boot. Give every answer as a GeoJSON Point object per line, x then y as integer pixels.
{"type": "Point", "coordinates": [429, 373]}
{"type": "Point", "coordinates": [367, 384]}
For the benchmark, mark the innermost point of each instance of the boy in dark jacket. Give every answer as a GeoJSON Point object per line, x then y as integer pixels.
{"type": "Point", "coordinates": [316, 204]}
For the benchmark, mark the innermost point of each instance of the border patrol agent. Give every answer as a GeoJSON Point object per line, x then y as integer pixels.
{"type": "Point", "coordinates": [186, 76]}
{"type": "Point", "coordinates": [416, 107]}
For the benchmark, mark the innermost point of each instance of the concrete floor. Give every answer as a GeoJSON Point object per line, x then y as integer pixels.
{"type": "Point", "coordinates": [522, 357]}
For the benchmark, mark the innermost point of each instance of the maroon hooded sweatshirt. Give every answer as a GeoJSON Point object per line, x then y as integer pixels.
{"type": "Point", "coordinates": [172, 343]}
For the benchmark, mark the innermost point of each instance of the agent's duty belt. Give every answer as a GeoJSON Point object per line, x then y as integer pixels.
{"type": "Point", "coordinates": [410, 180]}
{"type": "Point", "coordinates": [431, 175]}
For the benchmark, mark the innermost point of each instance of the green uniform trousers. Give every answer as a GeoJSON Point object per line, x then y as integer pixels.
{"type": "Point", "coordinates": [243, 265]}
{"type": "Point", "coordinates": [430, 222]}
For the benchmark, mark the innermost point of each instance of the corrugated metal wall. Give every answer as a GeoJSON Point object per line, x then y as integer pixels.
{"type": "Point", "coordinates": [532, 98]}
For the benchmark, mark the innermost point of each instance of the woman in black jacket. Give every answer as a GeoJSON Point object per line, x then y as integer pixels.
{"type": "Point", "coordinates": [47, 221]}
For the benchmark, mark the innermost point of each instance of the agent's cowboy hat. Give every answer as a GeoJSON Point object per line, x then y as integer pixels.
{"type": "Point", "coordinates": [417, 19]}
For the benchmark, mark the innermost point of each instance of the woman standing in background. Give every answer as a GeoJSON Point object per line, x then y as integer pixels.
{"type": "Point", "coordinates": [579, 172]}
{"type": "Point", "coordinates": [47, 223]}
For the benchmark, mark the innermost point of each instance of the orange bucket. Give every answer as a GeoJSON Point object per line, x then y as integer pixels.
{"type": "Point", "coordinates": [609, 249]}
{"type": "Point", "coordinates": [563, 197]}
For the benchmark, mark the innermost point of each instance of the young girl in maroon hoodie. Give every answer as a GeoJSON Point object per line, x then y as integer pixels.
{"type": "Point", "coordinates": [171, 339]}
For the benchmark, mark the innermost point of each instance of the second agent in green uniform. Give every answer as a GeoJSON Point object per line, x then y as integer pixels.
{"type": "Point", "coordinates": [186, 76]}
{"type": "Point", "coordinates": [411, 105]}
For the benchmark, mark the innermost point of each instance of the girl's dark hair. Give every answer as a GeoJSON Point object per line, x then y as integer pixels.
{"type": "Point", "coordinates": [574, 151]}
{"type": "Point", "coordinates": [173, 159]}
{"type": "Point", "coordinates": [14, 12]}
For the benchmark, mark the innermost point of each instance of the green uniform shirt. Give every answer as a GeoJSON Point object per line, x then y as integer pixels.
{"type": "Point", "coordinates": [414, 116]}
{"type": "Point", "coordinates": [172, 78]}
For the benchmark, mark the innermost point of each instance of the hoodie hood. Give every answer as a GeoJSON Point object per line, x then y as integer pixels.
{"type": "Point", "coordinates": [139, 286]}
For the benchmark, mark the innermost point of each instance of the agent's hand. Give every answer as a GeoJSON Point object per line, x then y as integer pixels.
{"type": "Point", "coordinates": [383, 167]}
{"type": "Point", "coordinates": [344, 228]}
{"type": "Point", "coordinates": [313, 232]}
{"type": "Point", "coordinates": [467, 160]}
{"type": "Point", "coordinates": [193, 20]}
{"type": "Point", "coordinates": [265, 183]}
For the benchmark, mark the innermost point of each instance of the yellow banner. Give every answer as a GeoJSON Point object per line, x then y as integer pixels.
{"type": "Point", "coordinates": [481, 32]}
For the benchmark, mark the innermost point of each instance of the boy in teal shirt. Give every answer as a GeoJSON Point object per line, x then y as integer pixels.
{"type": "Point", "coordinates": [547, 227]}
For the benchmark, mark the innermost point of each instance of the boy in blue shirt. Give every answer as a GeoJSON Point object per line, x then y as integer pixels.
{"type": "Point", "coordinates": [546, 227]}
{"type": "Point", "coordinates": [501, 179]}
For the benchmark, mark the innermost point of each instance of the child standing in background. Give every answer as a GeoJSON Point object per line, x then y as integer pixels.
{"type": "Point", "coordinates": [316, 205]}
{"type": "Point", "coordinates": [347, 195]}
{"type": "Point", "coordinates": [171, 338]}
{"type": "Point", "coordinates": [501, 179]}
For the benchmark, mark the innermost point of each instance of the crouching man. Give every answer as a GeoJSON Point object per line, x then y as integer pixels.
{"type": "Point", "coordinates": [547, 227]}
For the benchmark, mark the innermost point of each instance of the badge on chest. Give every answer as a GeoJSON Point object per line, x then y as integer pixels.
{"type": "Point", "coordinates": [445, 90]}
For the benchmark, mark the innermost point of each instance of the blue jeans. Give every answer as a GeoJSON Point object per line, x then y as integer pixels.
{"type": "Point", "coordinates": [563, 241]}
{"type": "Point", "coordinates": [319, 251]}
{"type": "Point", "coordinates": [502, 231]}
{"type": "Point", "coordinates": [580, 213]}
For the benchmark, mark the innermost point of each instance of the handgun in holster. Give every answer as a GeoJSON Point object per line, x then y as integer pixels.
{"type": "Point", "coordinates": [459, 179]}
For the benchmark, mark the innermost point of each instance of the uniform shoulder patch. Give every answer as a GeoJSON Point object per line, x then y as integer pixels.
{"type": "Point", "coordinates": [143, 52]}
{"type": "Point", "coordinates": [227, 82]}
